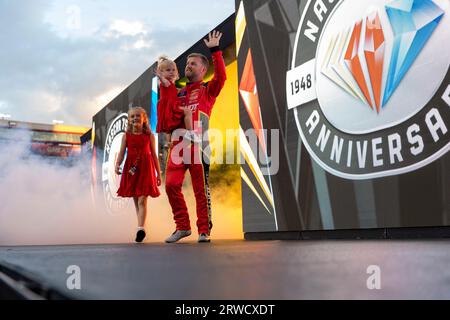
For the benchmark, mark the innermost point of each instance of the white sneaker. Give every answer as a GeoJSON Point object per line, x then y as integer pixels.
{"type": "Point", "coordinates": [204, 238]}
{"type": "Point", "coordinates": [178, 235]}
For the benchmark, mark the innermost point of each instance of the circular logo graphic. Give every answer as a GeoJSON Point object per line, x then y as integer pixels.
{"type": "Point", "coordinates": [370, 85]}
{"type": "Point", "coordinates": [110, 180]}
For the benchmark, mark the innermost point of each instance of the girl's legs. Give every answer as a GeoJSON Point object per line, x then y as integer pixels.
{"type": "Point", "coordinates": [135, 200]}
{"type": "Point", "coordinates": [142, 211]}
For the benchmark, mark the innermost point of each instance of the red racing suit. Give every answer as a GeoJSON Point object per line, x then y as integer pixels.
{"type": "Point", "coordinates": [200, 98]}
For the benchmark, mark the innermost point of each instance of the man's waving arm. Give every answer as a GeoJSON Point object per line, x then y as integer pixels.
{"type": "Point", "coordinates": [220, 75]}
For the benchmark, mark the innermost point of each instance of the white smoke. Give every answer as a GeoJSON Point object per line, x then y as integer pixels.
{"type": "Point", "coordinates": [44, 202]}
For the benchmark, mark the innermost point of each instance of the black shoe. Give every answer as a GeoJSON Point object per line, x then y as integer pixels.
{"type": "Point", "coordinates": [140, 236]}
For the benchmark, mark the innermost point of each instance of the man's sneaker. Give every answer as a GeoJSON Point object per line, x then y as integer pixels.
{"type": "Point", "coordinates": [204, 238]}
{"type": "Point", "coordinates": [178, 235]}
{"type": "Point", "coordinates": [140, 236]}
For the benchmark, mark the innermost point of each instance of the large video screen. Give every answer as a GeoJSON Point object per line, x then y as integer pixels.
{"type": "Point", "coordinates": [360, 94]}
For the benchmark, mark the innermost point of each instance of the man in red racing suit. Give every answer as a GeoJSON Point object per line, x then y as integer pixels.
{"type": "Point", "coordinates": [199, 97]}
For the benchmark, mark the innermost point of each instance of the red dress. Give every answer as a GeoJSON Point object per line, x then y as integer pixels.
{"type": "Point", "coordinates": [143, 181]}
{"type": "Point", "coordinates": [170, 116]}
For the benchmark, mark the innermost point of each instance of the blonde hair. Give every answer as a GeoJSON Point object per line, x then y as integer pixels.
{"type": "Point", "coordinates": [164, 60]}
{"type": "Point", "coordinates": [146, 126]}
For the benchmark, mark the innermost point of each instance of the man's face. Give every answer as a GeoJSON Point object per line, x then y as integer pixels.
{"type": "Point", "coordinates": [195, 70]}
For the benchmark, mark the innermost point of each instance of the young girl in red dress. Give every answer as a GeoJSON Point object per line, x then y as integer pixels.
{"type": "Point", "coordinates": [141, 174]}
{"type": "Point", "coordinates": [170, 118]}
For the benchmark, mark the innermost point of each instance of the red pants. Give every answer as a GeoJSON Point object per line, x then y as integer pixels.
{"type": "Point", "coordinates": [175, 172]}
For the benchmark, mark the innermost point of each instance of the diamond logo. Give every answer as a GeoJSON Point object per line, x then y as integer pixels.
{"type": "Point", "coordinates": [413, 22]}
{"type": "Point", "coordinates": [374, 53]}
{"type": "Point", "coordinates": [355, 58]}
{"type": "Point", "coordinates": [380, 73]}
{"type": "Point", "coordinates": [353, 61]}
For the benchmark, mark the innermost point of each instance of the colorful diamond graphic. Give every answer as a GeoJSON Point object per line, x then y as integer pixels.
{"type": "Point", "coordinates": [334, 66]}
{"type": "Point", "coordinates": [374, 53]}
{"type": "Point", "coordinates": [353, 61]}
{"type": "Point", "coordinates": [358, 67]}
{"type": "Point", "coordinates": [413, 22]}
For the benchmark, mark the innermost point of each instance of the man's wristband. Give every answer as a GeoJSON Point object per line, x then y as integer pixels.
{"type": "Point", "coordinates": [214, 49]}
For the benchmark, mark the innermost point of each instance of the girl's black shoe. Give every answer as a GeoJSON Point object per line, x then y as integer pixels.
{"type": "Point", "coordinates": [140, 236]}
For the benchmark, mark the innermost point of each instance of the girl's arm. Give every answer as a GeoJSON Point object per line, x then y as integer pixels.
{"type": "Point", "coordinates": [121, 154]}
{"type": "Point", "coordinates": [155, 159]}
{"type": "Point", "coordinates": [164, 82]}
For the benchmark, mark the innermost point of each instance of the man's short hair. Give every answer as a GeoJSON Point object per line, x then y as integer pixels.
{"type": "Point", "coordinates": [202, 57]}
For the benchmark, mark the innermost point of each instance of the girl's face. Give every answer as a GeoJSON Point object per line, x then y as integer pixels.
{"type": "Point", "coordinates": [169, 71]}
{"type": "Point", "coordinates": [137, 119]}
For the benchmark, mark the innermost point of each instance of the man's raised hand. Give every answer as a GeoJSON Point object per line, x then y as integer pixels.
{"type": "Point", "coordinates": [213, 39]}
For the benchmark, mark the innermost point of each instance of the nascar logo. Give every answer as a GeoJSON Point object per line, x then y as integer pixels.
{"type": "Point", "coordinates": [369, 85]}
{"type": "Point", "coordinates": [362, 47]}
{"type": "Point", "coordinates": [110, 181]}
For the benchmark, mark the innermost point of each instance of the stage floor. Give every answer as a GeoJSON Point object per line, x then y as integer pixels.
{"type": "Point", "coordinates": [243, 269]}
